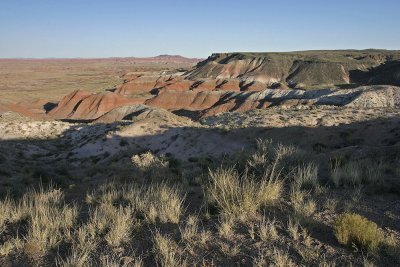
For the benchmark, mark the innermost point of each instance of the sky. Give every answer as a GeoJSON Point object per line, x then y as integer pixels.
{"type": "Point", "coordinates": [123, 28]}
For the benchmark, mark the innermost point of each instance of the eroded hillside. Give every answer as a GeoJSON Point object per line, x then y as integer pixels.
{"type": "Point", "coordinates": [304, 69]}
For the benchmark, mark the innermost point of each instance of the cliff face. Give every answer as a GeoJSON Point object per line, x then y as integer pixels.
{"type": "Point", "coordinates": [305, 69]}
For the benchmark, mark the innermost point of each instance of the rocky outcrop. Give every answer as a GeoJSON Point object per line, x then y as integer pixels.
{"type": "Point", "coordinates": [81, 105]}
{"type": "Point", "coordinates": [138, 85]}
{"type": "Point", "coordinates": [182, 85]}
{"type": "Point", "coordinates": [188, 100]}
{"type": "Point", "coordinates": [96, 105]}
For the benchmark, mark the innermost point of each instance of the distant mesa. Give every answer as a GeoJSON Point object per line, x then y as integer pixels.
{"type": "Point", "coordinates": [305, 69]}
{"type": "Point", "coordinates": [169, 59]}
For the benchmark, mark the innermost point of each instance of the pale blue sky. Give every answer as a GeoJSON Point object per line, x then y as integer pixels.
{"type": "Point", "coordinates": [57, 28]}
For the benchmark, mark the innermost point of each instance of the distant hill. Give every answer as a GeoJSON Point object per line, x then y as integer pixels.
{"type": "Point", "coordinates": [157, 59]}
{"type": "Point", "coordinates": [305, 69]}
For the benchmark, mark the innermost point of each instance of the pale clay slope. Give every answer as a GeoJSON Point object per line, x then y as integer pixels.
{"type": "Point", "coordinates": [363, 97]}
{"type": "Point", "coordinates": [134, 112]}
{"type": "Point", "coordinates": [181, 138]}
{"type": "Point", "coordinates": [164, 132]}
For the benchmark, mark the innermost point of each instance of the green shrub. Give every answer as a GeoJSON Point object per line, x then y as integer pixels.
{"type": "Point", "coordinates": [354, 230]}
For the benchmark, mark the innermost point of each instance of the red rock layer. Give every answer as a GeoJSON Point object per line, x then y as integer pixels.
{"type": "Point", "coordinates": [209, 103]}
{"type": "Point", "coordinates": [184, 85]}
{"type": "Point", "coordinates": [96, 105]}
{"type": "Point", "coordinates": [31, 109]}
{"type": "Point", "coordinates": [188, 100]}
{"type": "Point", "coordinates": [68, 104]}
{"type": "Point", "coordinates": [208, 85]}
{"type": "Point", "coordinates": [131, 76]}
{"type": "Point", "coordinates": [142, 84]}
{"type": "Point", "coordinates": [234, 105]}
{"type": "Point", "coordinates": [3, 108]}
{"type": "Point", "coordinates": [81, 105]}
{"type": "Point", "coordinates": [232, 85]}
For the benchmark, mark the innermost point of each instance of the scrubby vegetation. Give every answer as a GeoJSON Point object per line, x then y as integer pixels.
{"type": "Point", "coordinates": [355, 230]}
{"type": "Point", "coordinates": [260, 208]}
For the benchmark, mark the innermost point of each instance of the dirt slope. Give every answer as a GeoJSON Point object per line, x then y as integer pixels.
{"type": "Point", "coordinates": [136, 111]}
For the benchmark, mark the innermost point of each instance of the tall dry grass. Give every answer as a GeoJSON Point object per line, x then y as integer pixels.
{"type": "Point", "coordinates": [166, 252]}
{"type": "Point", "coordinates": [155, 202]}
{"type": "Point", "coordinates": [235, 194]}
{"type": "Point", "coordinates": [47, 219]}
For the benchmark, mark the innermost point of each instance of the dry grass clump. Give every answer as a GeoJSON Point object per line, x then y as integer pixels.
{"type": "Point", "coordinates": [293, 229]}
{"type": "Point", "coordinates": [166, 251]}
{"type": "Point", "coordinates": [151, 166]}
{"type": "Point", "coordinates": [260, 260]}
{"type": "Point", "coordinates": [268, 153]}
{"type": "Point", "coordinates": [260, 184]}
{"type": "Point", "coordinates": [357, 173]}
{"type": "Point", "coordinates": [113, 260]}
{"type": "Point", "coordinates": [302, 204]}
{"type": "Point", "coordinates": [158, 201]}
{"type": "Point", "coordinates": [75, 259]}
{"type": "Point", "coordinates": [348, 174]}
{"type": "Point", "coordinates": [190, 230]}
{"type": "Point", "coordinates": [275, 257]}
{"type": "Point", "coordinates": [48, 221]}
{"type": "Point", "coordinates": [7, 213]}
{"type": "Point", "coordinates": [355, 230]}
{"type": "Point", "coordinates": [11, 245]}
{"type": "Point", "coordinates": [121, 227]}
{"type": "Point", "coordinates": [166, 201]}
{"type": "Point", "coordinates": [148, 161]}
{"type": "Point", "coordinates": [281, 259]}
{"type": "Point", "coordinates": [267, 230]}
{"type": "Point", "coordinates": [305, 177]}
{"type": "Point", "coordinates": [229, 250]}
{"type": "Point", "coordinates": [235, 194]}
{"type": "Point", "coordinates": [83, 243]}
{"type": "Point", "coordinates": [225, 226]}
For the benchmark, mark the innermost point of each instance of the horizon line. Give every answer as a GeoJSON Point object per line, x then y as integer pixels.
{"type": "Point", "coordinates": [167, 55]}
